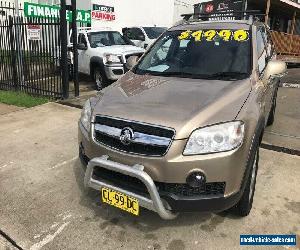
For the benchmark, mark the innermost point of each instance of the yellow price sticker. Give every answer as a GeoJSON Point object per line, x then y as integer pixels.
{"type": "Point", "coordinates": [185, 35]}
{"type": "Point", "coordinates": [225, 35]}
{"type": "Point", "coordinates": [240, 35]}
{"type": "Point", "coordinates": [210, 35]}
{"type": "Point", "coordinates": [197, 35]}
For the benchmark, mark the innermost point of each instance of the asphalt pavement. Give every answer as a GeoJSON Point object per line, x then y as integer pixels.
{"type": "Point", "coordinates": [5, 109]}
{"type": "Point", "coordinates": [45, 206]}
{"type": "Point", "coordinates": [293, 76]}
{"type": "Point", "coordinates": [285, 132]}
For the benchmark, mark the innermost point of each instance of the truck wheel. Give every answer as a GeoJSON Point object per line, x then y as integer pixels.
{"type": "Point", "coordinates": [243, 207]}
{"type": "Point", "coordinates": [271, 117]}
{"type": "Point", "coordinates": [99, 78]}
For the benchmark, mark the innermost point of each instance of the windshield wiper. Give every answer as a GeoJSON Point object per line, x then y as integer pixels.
{"type": "Point", "coordinates": [229, 75]}
{"type": "Point", "coordinates": [180, 74]}
{"type": "Point", "coordinates": [219, 75]}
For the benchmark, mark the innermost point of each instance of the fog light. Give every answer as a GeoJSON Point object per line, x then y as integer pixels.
{"type": "Point", "coordinates": [196, 179]}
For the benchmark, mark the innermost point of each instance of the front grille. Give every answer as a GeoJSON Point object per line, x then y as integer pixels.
{"type": "Point", "coordinates": [135, 185]}
{"type": "Point", "coordinates": [120, 180]}
{"type": "Point", "coordinates": [210, 188]}
{"type": "Point", "coordinates": [144, 147]}
{"type": "Point", "coordinates": [118, 71]}
{"type": "Point", "coordinates": [132, 148]}
{"type": "Point", "coordinates": [121, 59]}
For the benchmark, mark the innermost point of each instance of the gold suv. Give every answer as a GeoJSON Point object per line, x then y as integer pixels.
{"type": "Point", "coordinates": [180, 131]}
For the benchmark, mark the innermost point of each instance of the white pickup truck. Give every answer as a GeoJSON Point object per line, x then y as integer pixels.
{"type": "Point", "coordinates": [102, 54]}
{"type": "Point", "coordinates": [143, 36]}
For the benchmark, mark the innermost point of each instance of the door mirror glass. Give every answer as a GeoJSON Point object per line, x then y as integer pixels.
{"type": "Point", "coordinates": [81, 46]}
{"type": "Point", "coordinates": [131, 62]}
{"type": "Point", "coordinates": [275, 68]}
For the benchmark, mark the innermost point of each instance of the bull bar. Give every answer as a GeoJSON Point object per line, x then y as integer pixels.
{"type": "Point", "coordinates": [154, 203]}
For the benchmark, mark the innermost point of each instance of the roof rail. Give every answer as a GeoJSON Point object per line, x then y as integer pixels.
{"type": "Point", "coordinates": [251, 15]}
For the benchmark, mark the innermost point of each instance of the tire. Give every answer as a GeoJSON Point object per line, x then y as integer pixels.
{"type": "Point", "coordinates": [99, 78]}
{"type": "Point", "coordinates": [243, 207]}
{"type": "Point", "coordinates": [271, 117]}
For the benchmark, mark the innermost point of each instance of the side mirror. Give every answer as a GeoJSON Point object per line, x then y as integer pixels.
{"type": "Point", "coordinates": [275, 68]}
{"type": "Point", "coordinates": [131, 62]}
{"type": "Point", "coordinates": [141, 37]}
{"type": "Point", "coordinates": [81, 46]}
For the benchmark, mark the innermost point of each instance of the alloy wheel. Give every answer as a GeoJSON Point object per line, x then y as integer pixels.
{"type": "Point", "coordinates": [99, 80]}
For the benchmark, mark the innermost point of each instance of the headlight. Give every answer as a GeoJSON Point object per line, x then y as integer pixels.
{"type": "Point", "coordinates": [86, 115]}
{"type": "Point", "coordinates": [111, 59]}
{"type": "Point", "coordinates": [216, 138]}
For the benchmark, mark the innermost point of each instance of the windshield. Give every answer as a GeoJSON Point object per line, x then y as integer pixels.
{"type": "Point", "coordinates": [107, 38]}
{"type": "Point", "coordinates": [210, 54]}
{"type": "Point", "coordinates": [154, 32]}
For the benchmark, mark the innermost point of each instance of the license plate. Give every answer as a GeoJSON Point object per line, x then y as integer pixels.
{"type": "Point", "coordinates": [120, 200]}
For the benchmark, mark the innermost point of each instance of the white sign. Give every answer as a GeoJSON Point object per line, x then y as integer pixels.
{"type": "Point", "coordinates": [34, 32]}
{"type": "Point", "coordinates": [103, 12]}
{"type": "Point", "coordinates": [100, 15]}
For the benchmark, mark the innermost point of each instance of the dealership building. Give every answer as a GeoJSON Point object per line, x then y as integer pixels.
{"type": "Point", "coordinates": [118, 14]}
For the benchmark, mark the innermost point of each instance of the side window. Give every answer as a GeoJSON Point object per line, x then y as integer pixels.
{"type": "Point", "coordinates": [81, 39]}
{"type": "Point", "coordinates": [262, 55]}
{"type": "Point", "coordinates": [117, 38]}
{"type": "Point", "coordinates": [183, 44]}
{"type": "Point", "coordinates": [181, 50]}
{"type": "Point", "coordinates": [126, 32]}
{"type": "Point", "coordinates": [134, 33]}
{"type": "Point", "coordinates": [162, 53]}
{"type": "Point", "coordinates": [167, 46]}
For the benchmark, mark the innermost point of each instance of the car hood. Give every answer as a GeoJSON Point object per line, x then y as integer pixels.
{"type": "Point", "coordinates": [179, 103]}
{"type": "Point", "coordinates": [121, 49]}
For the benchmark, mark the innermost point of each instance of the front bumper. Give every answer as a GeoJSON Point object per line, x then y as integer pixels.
{"type": "Point", "coordinates": [154, 202]}
{"type": "Point", "coordinates": [166, 205]}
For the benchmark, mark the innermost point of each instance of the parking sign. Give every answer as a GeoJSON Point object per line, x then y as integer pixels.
{"type": "Point", "coordinates": [34, 32]}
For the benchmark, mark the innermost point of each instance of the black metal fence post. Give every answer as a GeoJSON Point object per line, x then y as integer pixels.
{"type": "Point", "coordinates": [75, 50]}
{"type": "Point", "coordinates": [64, 49]}
{"type": "Point", "coordinates": [37, 41]}
{"type": "Point", "coordinates": [13, 52]}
